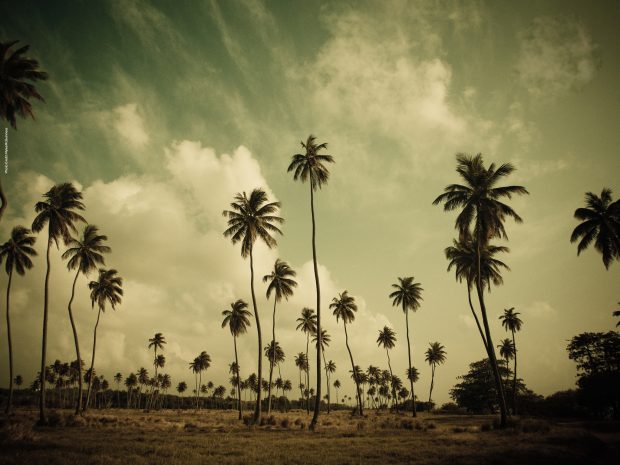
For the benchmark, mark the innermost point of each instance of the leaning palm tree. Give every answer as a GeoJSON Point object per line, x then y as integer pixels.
{"type": "Point", "coordinates": [58, 212]}
{"type": "Point", "coordinates": [600, 222]}
{"type": "Point", "coordinates": [281, 283]}
{"type": "Point", "coordinates": [507, 352]}
{"type": "Point", "coordinates": [16, 253]}
{"type": "Point", "coordinates": [307, 323]}
{"type": "Point", "coordinates": [107, 289]}
{"type": "Point", "coordinates": [408, 295]}
{"type": "Point", "coordinates": [85, 255]}
{"type": "Point", "coordinates": [310, 166]}
{"type": "Point", "coordinates": [18, 75]}
{"type": "Point", "coordinates": [387, 339]}
{"type": "Point", "coordinates": [511, 322]}
{"type": "Point", "coordinates": [344, 308]}
{"type": "Point", "coordinates": [435, 355]}
{"type": "Point", "coordinates": [482, 217]}
{"type": "Point", "coordinates": [237, 320]}
{"type": "Point", "coordinates": [253, 217]}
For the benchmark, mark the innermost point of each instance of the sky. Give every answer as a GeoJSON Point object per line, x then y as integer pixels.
{"type": "Point", "coordinates": [160, 112]}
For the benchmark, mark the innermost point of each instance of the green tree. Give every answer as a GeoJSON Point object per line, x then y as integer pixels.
{"type": "Point", "coordinates": [511, 322]}
{"type": "Point", "coordinates": [387, 339]}
{"type": "Point", "coordinates": [250, 219]}
{"type": "Point", "coordinates": [435, 355]}
{"type": "Point", "coordinates": [307, 323]}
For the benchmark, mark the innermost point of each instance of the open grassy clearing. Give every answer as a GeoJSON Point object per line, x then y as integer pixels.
{"type": "Point", "coordinates": [172, 437]}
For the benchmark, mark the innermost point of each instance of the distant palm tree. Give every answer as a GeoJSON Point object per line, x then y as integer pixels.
{"type": "Point", "coordinates": [408, 295]}
{"type": "Point", "coordinates": [344, 307]}
{"type": "Point", "coordinates": [250, 219]}
{"type": "Point", "coordinates": [617, 313]}
{"type": "Point", "coordinates": [86, 255]}
{"type": "Point", "coordinates": [600, 223]}
{"type": "Point", "coordinates": [307, 323]}
{"type": "Point", "coordinates": [237, 320]}
{"type": "Point", "coordinates": [117, 379]}
{"type": "Point", "coordinates": [325, 340]}
{"type": "Point", "coordinates": [275, 354]}
{"type": "Point", "coordinates": [310, 166]}
{"type": "Point", "coordinates": [181, 388]}
{"type": "Point", "coordinates": [506, 351]}
{"type": "Point", "coordinates": [511, 322]}
{"type": "Point", "coordinates": [107, 289]}
{"type": "Point", "coordinates": [18, 381]}
{"type": "Point", "coordinates": [413, 374]}
{"type": "Point", "coordinates": [281, 283]}
{"type": "Point", "coordinates": [194, 365]}
{"type": "Point", "coordinates": [156, 342]}
{"type": "Point", "coordinates": [435, 355]}
{"type": "Point", "coordinates": [301, 362]}
{"type": "Point", "coordinates": [480, 200]}
{"type": "Point", "coordinates": [330, 369]}
{"type": "Point", "coordinates": [58, 212]}
{"type": "Point", "coordinates": [16, 253]}
{"type": "Point", "coordinates": [387, 339]}
{"type": "Point", "coordinates": [204, 363]}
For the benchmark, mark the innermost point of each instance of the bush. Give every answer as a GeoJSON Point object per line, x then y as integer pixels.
{"type": "Point", "coordinates": [449, 407]}
{"type": "Point", "coordinates": [284, 423]}
{"type": "Point", "coordinates": [17, 432]}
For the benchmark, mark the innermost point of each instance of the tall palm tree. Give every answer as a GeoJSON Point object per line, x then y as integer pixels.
{"type": "Point", "coordinates": [58, 212]}
{"type": "Point", "coordinates": [344, 308]}
{"type": "Point", "coordinates": [435, 355]}
{"type": "Point", "coordinates": [387, 339]}
{"type": "Point", "coordinates": [194, 365]}
{"type": "Point", "coordinates": [482, 217]}
{"type": "Point", "coordinates": [16, 253]}
{"type": "Point", "coordinates": [204, 363]}
{"type": "Point", "coordinates": [511, 322]}
{"type": "Point", "coordinates": [107, 289]}
{"type": "Point", "coordinates": [307, 323]}
{"type": "Point", "coordinates": [118, 377]}
{"type": "Point", "coordinates": [325, 339]}
{"type": "Point", "coordinates": [250, 219]}
{"type": "Point", "coordinates": [336, 387]}
{"type": "Point", "coordinates": [506, 351]}
{"type": "Point", "coordinates": [281, 283]}
{"type": "Point", "coordinates": [274, 353]}
{"type": "Point", "coordinates": [408, 295]}
{"type": "Point", "coordinates": [600, 222]}
{"type": "Point", "coordinates": [156, 342]}
{"type": "Point", "coordinates": [85, 255]}
{"type": "Point", "coordinates": [301, 362]}
{"type": "Point", "coordinates": [237, 320]}
{"type": "Point", "coordinates": [310, 166]}
{"type": "Point", "coordinates": [18, 76]}
{"type": "Point", "coordinates": [330, 369]}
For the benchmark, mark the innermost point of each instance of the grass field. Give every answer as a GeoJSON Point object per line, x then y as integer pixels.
{"type": "Point", "coordinates": [171, 437]}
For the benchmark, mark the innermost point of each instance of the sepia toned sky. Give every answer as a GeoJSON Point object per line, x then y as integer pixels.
{"type": "Point", "coordinates": [162, 111]}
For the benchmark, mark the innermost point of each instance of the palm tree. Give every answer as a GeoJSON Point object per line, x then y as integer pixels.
{"type": "Point", "coordinates": [281, 283]}
{"type": "Point", "coordinates": [181, 388]}
{"type": "Point", "coordinates": [204, 362]}
{"type": "Point", "coordinates": [15, 73]}
{"type": "Point", "coordinates": [58, 212]}
{"type": "Point", "coordinates": [250, 219]}
{"type": "Point", "coordinates": [507, 351]}
{"type": "Point", "coordinates": [311, 166]}
{"type": "Point", "coordinates": [16, 253]}
{"type": "Point", "coordinates": [275, 354]}
{"type": "Point", "coordinates": [156, 342]}
{"type": "Point", "coordinates": [344, 307]}
{"type": "Point", "coordinates": [480, 200]}
{"type": "Point", "coordinates": [301, 362]}
{"type": "Point", "coordinates": [237, 319]}
{"type": "Point", "coordinates": [600, 222]}
{"type": "Point", "coordinates": [387, 339]}
{"type": "Point", "coordinates": [117, 379]}
{"type": "Point", "coordinates": [85, 255]}
{"type": "Point", "coordinates": [325, 340]}
{"type": "Point", "coordinates": [435, 355]}
{"type": "Point", "coordinates": [307, 323]}
{"type": "Point", "coordinates": [408, 295]}
{"type": "Point", "coordinates": [107, 289]}
{"type": "Point", "coordinates": [194, 365]}
{"type": "Point", "coordinates": [511, 322]}
{"type": "Point", "coordinates": [330, 368]}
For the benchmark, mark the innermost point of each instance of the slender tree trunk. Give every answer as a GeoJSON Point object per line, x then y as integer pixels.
{"type": "Point", "coordinates": [317, 403]}
{"type": "Point", "coordinates": [307, 375]}
{"type": "Point", "coordinates": [42, 416]}
{"type": "Point", "coordinates": [514, 378]}
{"type": "Point", "coordinates": [273, 353]}
{"type": "Point", "coordinates": [301, 392]}
{"type": "Point", "coordinates": [8, 332]}
{"type": "Point", "coordinates": [257, 410]}
{"type": "Point", "coordinates": [238, 377]}
{"type": "Point", "coordinates": [413, 409]}
{"type": "Point", "coordinates": [3, 200]}
{"type": "Point", "coordinates": [92, 363]}
{"type": "Point", "coordinates": [473, 312]}
{"type": "Point", "coordinates": [392, 379]}
{"type": "Point", "coordinates": [430, 394]}
{"type": "Point", "coordinates": [357, 384]}
{"type": "Point", "coordinates": [77, 344]}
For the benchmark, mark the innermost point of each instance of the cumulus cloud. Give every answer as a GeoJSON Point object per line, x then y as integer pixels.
{"type": "Point", "coordinates": [539, 309]}
{"type": "Point", "coordinates": [130, 126]}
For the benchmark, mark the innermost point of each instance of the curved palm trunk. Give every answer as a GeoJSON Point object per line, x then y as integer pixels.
{"type": "Point", "coordinates": [8, 329]}
{"type": "Point", "coordinates": [42, 416]}
{"type": "Point", "coordinates": [257, 410]}
{"type": "Point", "coordinates": [307, 375]}
{"type": "Point", "coordinates": [317, 403]}
{"type": "Point", "coordinates": [514, 378]}
{"type": "Point", "coordinates": [92, 364]}
{"type": "Point", "coordinates": [3, 200]}
{"type": "Point", "coordinates": [473, 312]}
{"type": "Point", "coordinates": [413, 409]}
{"type": "Point", "coordinates": [238, 379]}
{"type": "Point", "coordinates": [392, 379]}
{"type": "Point", "coordinates": [273, 354]}
{"type": "Point", "coordinates": [77, 345]}
{"type": "Point", "coordinates": [357, 384]}
{"type": "Point", "coordinates": [430, 394]}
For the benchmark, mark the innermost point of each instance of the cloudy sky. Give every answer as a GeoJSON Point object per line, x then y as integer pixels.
{"type": "Point", "coordinates": [161, 111]}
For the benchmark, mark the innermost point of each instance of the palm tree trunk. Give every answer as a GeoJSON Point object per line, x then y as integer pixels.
{"type": "Point", "coordinates": [317, 403]}
{"type": "Point", "coordinates": [473, 312]}
{"type": "Point", "coordinates": [392, 379]}
{"type": "Point", "coordinates": [301, 392]}
{"type": "Point", "coordinates": [8, 331]}
{"type": "Point", "coordinates": [238, 378]}
{"type": "Point", "coordinates": [257, 410]}
{"type": "Point", "coordinates": [307, 375]}
{"type": "Point", "coordinates": [77, 345]}
{"type": "Point", "coordinates": [413, 409]}
{"type": "Point", "coordinates": [92, 363]}
{"type": "Point", "coordinates": [273, 354]}
{"type": "Point", "coordinates": [430, 394]}
{"type": "Point", "coordinates": [514, 378]}
{"type": "Point", "coordinates": [42, 417]}
{"type": "Point", "coordinates": [357, 384]}
{"type": "Point", "coordinates": [3, 200]}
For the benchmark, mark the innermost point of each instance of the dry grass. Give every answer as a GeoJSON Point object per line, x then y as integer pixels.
{"type": "Point", "coordinates": [171, 437]}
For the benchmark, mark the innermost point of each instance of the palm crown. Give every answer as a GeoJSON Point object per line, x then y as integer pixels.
{"type": "Point", "coordinates": [16, 252]}
{"type": "Point", "coordinates": [275, 352]}
{"type": "Point", "coordinates": [408, 294]}
{"type": "Point", "coordinates": [344, 307]}
{"type": "Point", "coordinates": [510, 320]}
{"type": "Point", "coordinates": [157, 341]}
{"type": "Point", "coordinates": [107, 288]}
{"type": "Point", "coordinates": [462, 256]}
{"type": "Point", "coordinates": [311, 164]}
{"type": "Point", "coordinates": [87, 253]}
{"type": "Point", "coordinates": [387, 338]}
{"type": "Point", "coordinates": [435, 354]}
{"type": "Point", "coordinates": [325, 339]}
{"type": "Point", "coordinates": [506, 349]}
{"type": "Point", "coordinates": [307, 321]}
{"type": "Point", "coordinates": [58, 210]}
{"type": "Point", "coordinates": [280, 281]}
{"type": "Point", "coordinates": [237, 318]}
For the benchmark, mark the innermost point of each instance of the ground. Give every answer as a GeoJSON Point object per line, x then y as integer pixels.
{"type": "Point", "coordinates": [188, 438]}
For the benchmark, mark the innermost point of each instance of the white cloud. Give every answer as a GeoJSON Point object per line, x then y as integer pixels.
{"type": "Point", "coordinates": [129, 124]}
{"type": "Point", "coordinates": [468, 321]}
{"type": "Point", "coordinates": [539, 309]}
